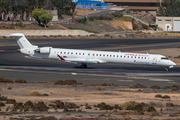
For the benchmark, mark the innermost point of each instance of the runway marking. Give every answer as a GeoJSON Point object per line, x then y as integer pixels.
{"type": "Point", "coordinates": [161, 80]}
{"type": "Point", "coordinates": [136, 46]}
{"type": "Point", "coordinates": [126, 80]}
{"type": "Point", "coordinates": [74, 73]}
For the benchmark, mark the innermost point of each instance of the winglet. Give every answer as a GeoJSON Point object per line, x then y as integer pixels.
{"type": "Point", "coordinates": [61, 58]}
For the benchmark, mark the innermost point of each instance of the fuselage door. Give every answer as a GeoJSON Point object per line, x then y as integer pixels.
{"type": "Point", "coordinates": [154, 61]}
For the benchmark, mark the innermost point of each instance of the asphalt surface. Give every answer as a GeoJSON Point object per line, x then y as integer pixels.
{"type": "Point", "coordinates": [15, 65]}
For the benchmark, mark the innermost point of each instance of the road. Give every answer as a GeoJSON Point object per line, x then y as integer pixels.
{"type": "Point", "coordinates": [15, 65]}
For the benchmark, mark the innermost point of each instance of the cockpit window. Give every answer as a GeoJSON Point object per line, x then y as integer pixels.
{"type": "Point", "coordinates": [164, 58]}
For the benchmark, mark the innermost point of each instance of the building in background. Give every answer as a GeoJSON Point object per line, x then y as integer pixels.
{"type": "Point", "coordinates": [168, 23]}
{"type": "Point", "coordinates": [91, 4]}
{"type": "Point", "coordinates": [140, 5]}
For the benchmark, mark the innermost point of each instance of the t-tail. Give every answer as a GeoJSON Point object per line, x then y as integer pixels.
{"type": "Point", "coordinates": [21, 40]}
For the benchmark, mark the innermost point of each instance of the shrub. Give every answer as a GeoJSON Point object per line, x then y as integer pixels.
{"type": "Point", "coordinates": [104, 106]}
{"type": "Point", "coordinates": [105, 84]}
{"type": "Point", "coordinates": [2, 104]}
{"type": "Point", "coordinates": [138, 85]}
{"type": "Point", "coordinates": [2, 98]}
{"type": "Point", "coordinates": [166, 97]}
{"type": "Point", "coordinates": [40, 106]}
{"type": "Point", "coordinates": [129, 105]}
{"type": "Point", "coordinates": [151, 109]}
{"type": "Point", "coordinates": [11, 101]}
{"type": "Point", "coordinates": [20, 80]}
{"type": "Point", "coordinates": [155, 87]}
{"type": "Point", "coordinates": [66, 82]}
{"type": "Point", "coordinates": [4, 80]}
{"type": "Point", "coordinates": [145, 27]}
{"type": "Point", "coordinates": [158, 96]}
{"type": "Point", "coordinates": [117, 107]}
{"type": "Point", "coordinates": [88, 107]}
{"type": "Point", "coordinates": [58, 104]}
{"type": "Point", "coordinates": [28, 104]}
{"type": "Point", "coordinates": [70, 82]}
{"type": "Point", "coordinates": [34, 94]}
{"type": "Point", "coordinates": [84, 20]}
{"type": "Point", "coordinates": [18, 106]}
{"type": "Point", "coordinates": [91, 19]}
{"type": "Point", "coordinates": [59, 82]}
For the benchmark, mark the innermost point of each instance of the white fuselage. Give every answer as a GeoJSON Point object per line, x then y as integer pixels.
{"type": "Point", "coordinates": [90, 56]}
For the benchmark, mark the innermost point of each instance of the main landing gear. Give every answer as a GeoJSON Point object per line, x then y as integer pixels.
{"type": "Point", "coordinates": [83, 65]}
{"type": "Point", "coordinates": [166, 69]}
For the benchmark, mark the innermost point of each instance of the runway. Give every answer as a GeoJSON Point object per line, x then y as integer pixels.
{"type": "Point", "coordinates": [15, 65]}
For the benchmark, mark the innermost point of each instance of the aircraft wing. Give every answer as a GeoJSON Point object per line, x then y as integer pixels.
{"type": "Point", "coordinates": [76, 60]}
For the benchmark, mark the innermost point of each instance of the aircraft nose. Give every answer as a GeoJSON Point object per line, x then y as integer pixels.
{"type": "Point", "coordinates": [172, 63]}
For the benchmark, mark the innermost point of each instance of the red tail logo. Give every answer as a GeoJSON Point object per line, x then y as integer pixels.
{"type": "Point", "coordinates": [61, 57]}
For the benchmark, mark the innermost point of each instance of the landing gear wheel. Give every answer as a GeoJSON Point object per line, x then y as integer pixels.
{"type": "Point", "coordinates": [83, 66]}
{"type": "Point", "coordinates": [166, 69]}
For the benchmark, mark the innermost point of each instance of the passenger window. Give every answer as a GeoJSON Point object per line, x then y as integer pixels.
{"type": "Point", "coordinates": [110, 55]}
{"type": "Point", "coordinates": [107, 55]}
{"type": "Point", "coordinates": [93, 54]}
{"type": "Point", "coordinates": [135, 57]}
{"type": "Point", "coordinates": [121, 56]}
{"type": "Point", "coordinates": [79, 53]}
{"type": "Point", "coordinates": [131, 56]}
{"type": "Point", "coordinates": [127, 56]}
{"type": "Point", "coordinates": [68, 52]}
{"type": "Point", "coordinates": [103, 55]}
{"type": "Point", "coordinates": [54, 51]}
{"type": "Point", "coordinates": [124, 56]}
{"type": "Point", "coordinates": [72, 53]}
{"type": "Point", "coordinates": [142, 57]}
{"type": "Point", "coordinates": [138, 57]}
{"type": "Point", "coordinates": [76, 53]}
{"type": "Point", "coordinates": [83, 53]}
{"type": "Point", "coordinates": [113, 55]}
{"type": "Point", "coordinates": [88, 54]}
{"type": "Point", "coordinates": [117, 55]}
{"type": "Point", "coordinates": [100, 55]}
{"type": "Point", "coordinates": [64, 52]}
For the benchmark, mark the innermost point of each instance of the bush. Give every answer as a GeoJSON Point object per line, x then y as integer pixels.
{"type": "Point", "coordinates": [28, 104]}
{"type": "Point", "coordinates": [91, 19]}
{"type": "Point", "coordinates": [129, 105]}
{"type": "Point", "coordinates": [84, 20]}
{"type": "Point", "coordinates": [20, 80]}
{"type": "Point", "coordinates": [88, 107]}
{"type": "Point", "coordinates": [2, 98]}
{"type": "Point", "coordinates": [11, 101]}
{"type": "Point", "coordinates": [2, 104]}
{"type": "Point", "coordinates": [40, 106]}
{"type": "Point", "coordinates": [4, 80]}
{"type": "Point", "coordinates": [166, 97]}
{"type": "Point", "coordinates": [158, 96]}
{"type": "Point", "coordinates": [117, 14]}
{"type": "Point", "coordinates": [105, 84]}
{"type": "Point", "coordinates": [151, 109]}
{"type": "Point", "coordinates": [103, 106]}
{"type": "Point", "coordinates": [34, 94]}
{"type": "Point", "coordinates": [138, 85]}
{"type": "Point", "coordinates": [155, 87]}
{"type": "Point", "coordinates": [66, 82]}
{"type": "Point", "coordinates": [145, 27]}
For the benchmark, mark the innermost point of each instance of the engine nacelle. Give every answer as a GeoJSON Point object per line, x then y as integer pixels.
{"type": "Point", "coordinates": [44, 50]}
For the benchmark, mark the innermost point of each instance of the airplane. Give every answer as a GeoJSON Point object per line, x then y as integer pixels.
{"type": "Point", "coordinates": [89, 56]}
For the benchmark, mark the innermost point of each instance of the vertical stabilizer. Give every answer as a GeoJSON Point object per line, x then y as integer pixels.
{"type": "Point", "coordinates": [21, 40]}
